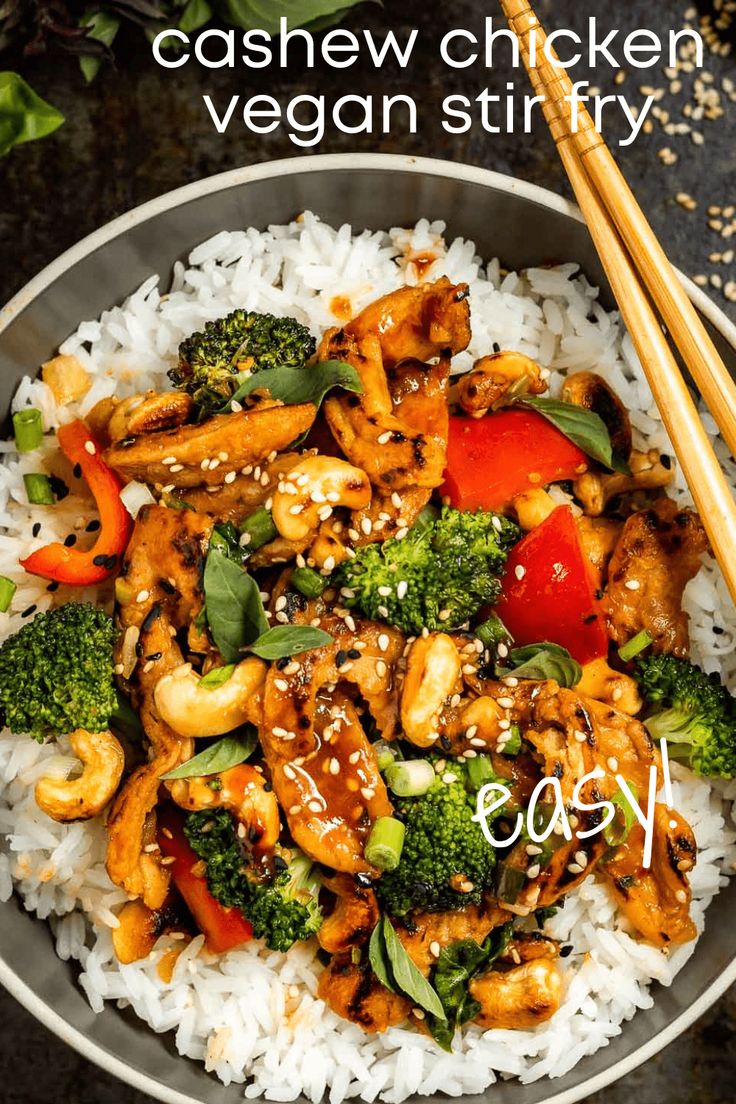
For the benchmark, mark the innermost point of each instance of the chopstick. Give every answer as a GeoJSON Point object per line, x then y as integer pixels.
{"type": "Point", "coordinates": [685, 326]}
{"type": "Point", "coordinates": [702, 470]}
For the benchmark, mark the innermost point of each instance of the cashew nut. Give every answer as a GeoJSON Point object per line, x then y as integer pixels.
{"type": "Point", "coordinates": [594, 490]}
{"type": "Point", "coordinates": [240, 789]}
{"type": "Point", "coordinates": [533, 507]}
{"type": "Point", "coordinates": [496, 379]}
{"type": "Point", "coordinates": [433, 669]}
{"type": "Point", "coordinates": [602, 683]}
{"type": "Point", "coordinates": [80, 798]}
{"type": "Point", "coordinates": [310, 491]}
{"type": "Point", "coordinates": [590, 391]}
{"type": "Point", "coordinates": [194, 710]}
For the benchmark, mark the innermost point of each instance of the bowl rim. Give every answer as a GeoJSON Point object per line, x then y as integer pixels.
{"type": "Point", "coordinates": [22, 992]}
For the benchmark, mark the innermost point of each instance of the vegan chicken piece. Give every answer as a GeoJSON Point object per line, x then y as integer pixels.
{"type": "Point", "coordinates": [520, 998]}
{"type": "Point", "coordinates": [212, 451]}
{"type": "Point", "coordinates": [658, 553]}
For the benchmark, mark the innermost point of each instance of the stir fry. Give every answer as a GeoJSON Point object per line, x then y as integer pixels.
{"type": "Point", "coordinates": [351, 590]}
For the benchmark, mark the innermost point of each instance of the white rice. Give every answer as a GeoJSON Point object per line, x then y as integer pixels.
{"type": "Point", "coordinates": [252, 1016]}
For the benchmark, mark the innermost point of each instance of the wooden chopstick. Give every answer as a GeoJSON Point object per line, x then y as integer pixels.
{"type": "Point", "coordinates": [685, 326]}
{"type": "Point", "coordinates": [708, 485]}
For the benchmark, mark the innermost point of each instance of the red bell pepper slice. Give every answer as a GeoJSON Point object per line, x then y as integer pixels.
{"type": "Point", "coordinates": [548, 591]}
{"type": "Point", "coordinates": [71, 565]}
{"type": "Point", "coordinates": [223, 928]}
{"type": "Point", "coordinates": [491, 459]}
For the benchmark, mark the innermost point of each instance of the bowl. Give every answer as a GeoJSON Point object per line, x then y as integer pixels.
{"type": "Point", "coordinates": [521, 223]}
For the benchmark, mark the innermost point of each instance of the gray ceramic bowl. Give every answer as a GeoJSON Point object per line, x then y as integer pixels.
{"type": "Point", "coordinates": [522, 224]}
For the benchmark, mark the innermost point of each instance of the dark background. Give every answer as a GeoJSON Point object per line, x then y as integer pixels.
{"type": "Point", "coordinates": [140, 130]}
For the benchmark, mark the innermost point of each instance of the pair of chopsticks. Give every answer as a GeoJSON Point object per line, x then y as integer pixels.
{"type": "Point", "coordinates": [642, 278]}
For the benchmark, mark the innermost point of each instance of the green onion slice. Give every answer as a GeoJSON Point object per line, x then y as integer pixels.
{"type": "Point", "coordinates": [634, 646]}
{"type": "Point", "coordinates": [308, 581]}
{"type": "Point", "coordinates": [38, 489]}
{"type": "Point", "coordinates": [411, 778]}
{"type": "Point", "coordinates": [385, 843]}
{"type": "Point", "coordinates": [257, 529]}
{"type": "Point", "coordinates": [7, 590]}
{"type": "Point", "coordinates": [28, 429]}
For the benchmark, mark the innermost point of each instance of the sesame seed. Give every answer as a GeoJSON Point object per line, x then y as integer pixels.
{"type": "Point", "coordinates": [385, 591]}
{"type": "Point", "coordinates": [382, 611]}
{"type": "Point", "coordinates": [613, 763]}
{"type": "Point", "coordinates": [291, 669]}
{"type": "Point", "coordinates": [223, 456]}
{"type": "Point", "coordinates": [383, 641]}
{"type": "Point", "coordinates": [329, 564]}
{"type": "Point", "coordinates": [401, 589]}
{"type": "Point", "coordinates": [396, 499]}
{"type": "Point", "coordinates": [534, 871]}
{"type": "Point", "coordinates": [142, 595]}
{"type": "Point", "coordinates": [367, 793]}
{"type": "Point", "coordinates": [419, 1013]}
{"type": "Point", "coordinates": [519, 572]}
{"type": "Point", "coordinates": [401, 533]}
{"type": "Point", "coordinates": [505, 703]}
{"type": "Point", "coordinates": [295, 509]}
{"type": "Point", "coordinates": [435, 948]}
{"type": "Point", "coordinates": [469, 669]}
{"type": "Point", "coordinates": [247, 470]}
{"type": "Point", "coordinates": [289, 772]}
{"type": "Point", "coordinates": [89, 446]}
{"type": "Point", "coordinates": [315, 807]}
{"type": "Point", "coordinates": [354, 758]}
{"type": "Point", "coordinates": [444, 615]}
{"type": "Point", "coordinates": [318, 497]}
{"type": "Point", "coordinates": [384, 438]}
{"type": "Point", "coordinates": [350, 622]}
{"type": "Point", "coordinates": [324, 513]}
{"type": "Point", "coordinates": [176, 468]}
{"type": "Point", "coordinates": [281, 684]}
{"type": "Point", "coordinates": [471, 731]}
{"type": "Point", "coordinates": [477, 741]}
{"type": "Point", "coordinates": [381, 669]}
{"type": "Point", "coordinates": [510, 680]}
{"type": "Point", "coordinates": [532, 849]}
{"type": "Point", "coordinates": [581, 859]}
{"type": "Point", "coordinates": [230, 477]}
{"type": "Point", "coordinates": [574, 868]}
{"type": "Point", "coordinates": [277, 731]}
{"type": "Point", "coordinates": [580, 736]}
{"type": "Point", "coordinates": [334, 766]}
{"type": "Point", "coordinates": [366, 525]}
{"type": "Point", "coordinates": [295, 810]}
{"type": "Point", "coordinates": [503, 652]}
{"type": "Point", "coordinates": [449, 777]}
{"type": "Point", "coordinates": [168, 460]}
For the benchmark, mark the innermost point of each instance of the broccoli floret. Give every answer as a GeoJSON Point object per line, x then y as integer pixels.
{"type": "Point", "coordinates": [693, 711]}
{"type": "Point", "coordinates": [445, 851]}
{"type": "Point", "coordinates": [245, 341]}
{"type": "Point", "coordinates": [438, 576]}
{"type": "Point", "coordinates": [56, 673]}
{"type": "Point", "coordinates": [282, 908]}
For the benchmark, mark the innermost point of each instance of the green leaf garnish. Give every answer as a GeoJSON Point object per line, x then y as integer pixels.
{"type": "Point", "coordinates": [286, 640]}
{"type": "Point", "coordinates": [543, 661]}
{"type": "Point", "coordinates": [617, 831]}
{"type": "Point", "coordinates": [218, 676]}
{"type": "Point", "coordinates": [228, 752]}
{"type": "Point", "coordinates": [233, 605]}
{"type": "Point", "coordinates": [389, 954]}
{"type": "Point", "coordinates": [584, 428]}
{"type": "Point", "coordinates": [299, 385]}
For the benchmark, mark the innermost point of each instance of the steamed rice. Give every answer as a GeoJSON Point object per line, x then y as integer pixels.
{"type": "Point", "coordinates": [252, 1015]}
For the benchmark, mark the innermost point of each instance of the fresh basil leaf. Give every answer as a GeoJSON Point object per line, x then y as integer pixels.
{"type": "Point", "coordinates": [233, 605]}
{"type": "Point", "coordinates": [103, 26]}
{"type": "Point", "coordinates": [260, 15]}
{"type": "Point", "coordinates": [617, 831]}
{"type": "Point", "coordinates": [457, 964]}
{"type": "Point", "coordinates": [228, 752]}
{"type": "Point", "coordinates": [543, 661]}
{"type": "Point", "coordinates": [407, 978]}
{"type": "Point", "coordinates": [218, 676]}
{"type": "Point", "coordinates": [299, 385]}
{"type": "Point", "coordinates": [286, 640]}
{"type": "Point", "coordinates": [378, 958]}
{"type": "Point", "coordinates": [583, 427]}
{"type": "Point", "coordinates": [24, 116]}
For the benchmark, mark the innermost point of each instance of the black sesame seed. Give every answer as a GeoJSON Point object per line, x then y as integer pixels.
{"type": "Point", "coordinates": [36, 529]}
{"type": "Point", "coordinates": [279, 863]}
{"type": "Point", "coordinates": [353, 654]}
{"type": "Point", "coordinates": [267, 787]}
{"type": "Point", "coordinates": [29, 611]}
{"type": "Point", "coordinates": [77, 471]}
{"type": "Point", "coordinates": [283, 662]}
{"type": "Point", "coordinates": [341, 658]}
{"type": "Point", "coordinates": [70, 540]}
{"type": "Point", "coordinates": [108, 562]}
{"type": "Point", "coordinates": [58, 487]}
{"type": "Point", "coordinates": [665, 461]}
{"type": "Point", "coordinates": [496, 347]}
{"type": "Point", "coordinates": [566, 950]}
{"type": "Point", "coordinates": [93, 526]}
{"type": "Point", "coordinates": [52, 587]}
{"type": "Point", "coordinates": [154, 656]}
{"type": "Point", "coordinates": [718, 630]}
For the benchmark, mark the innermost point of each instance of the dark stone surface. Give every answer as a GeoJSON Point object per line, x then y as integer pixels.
{"type": "Point", "coordinates": [139, 131]}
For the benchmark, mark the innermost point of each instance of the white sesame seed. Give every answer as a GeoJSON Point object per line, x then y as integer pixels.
{"type": "Point", "coordinates": [613, 764]}
{"type": "Point", "coordinates": [367, 793]}
{"type": "Point", "coordinates": [497, 524]}
{"type": "Point", "coordinates": [510, 680]}
{"type": "Point", "coordinates": [89, 446]}
{"type": "Point", "coordinates": [444, 615]}
{"type": "Point", "coordinates": [230, 477]}
{"type": "Point", "coordinates": [142, 595]}
{"type": "Point", "coordinates": [334, 766]}
{"type": "Point", "coordinates": [401, 533]}
{"type": "Point", "coordinates": [329, 564]}
{"type": "Point", "coordinates": [575, 868]}
{"type": "Point", "coordinates": [580, 736]}
{"type": "Point", "coordinates": [532, 849]}
{"type": "Point", "coordinates": [581, 859]}
{"type": "Point", "coordinates": [223, 456]}
{"type": "Point", "coordinates": [469, 669]}
{"type": "Point", "coordinates": [534, 871]}
{"type": "Point", "coordinates": [632, 584]}
{"type": "Point", "coordinates": [396, 499]}
{"type": "Point", "coordinates": [281, 684]}
{"type": "Point", "coordinates": [435, 948]}
{"type": "Point", "coordinates": [315, 806]}
{"type": "Point", "coordinates": [280, 603]}
{"type": "Point", "coordinates": [384, 438]}
{"type": "Point", "coordinates": [289, 772]}
{"type": "Point", "coordinates": [168, 460]}
{"type": "Point", "coordinates": [366, 525]}
{"type": "Point", "coordinates": [519, 572]}
{"type": "Point", "coordinates": [350, 622]}
{"type": "Point", "coordinates": [382, 611]}
{"type": "Point", "coordinates": [214, 463]}
{"type": "Point", "coordinates": [681, 896]}
{"type": "Point", "coordinates": [383, 641]}
{"type": "Point", "coordinates": [449, 777]}
{"type": "Point", "coordinates": [176, 468]}
{"type": "Point", "coordinates": [295, 810]}
{"type": "Point", "coordinates": [247, 470]}
{"type": "Point", "coordinates": [477, 741]}
{"type": "Point", "coordinates": [401, 589]}
{"type": "Point", "coordinates": [318, 497]}
{"type": "Point", "coordinates": [385, 591]}
{"type": "Point", "coordinates": [505, 703]}
{"type": "Point", "coordinates": [354, 534]}
{"type": "Point", "coordinates": [354, 758]}
{"type": "Point", "coordinates": [471, 731]}
{"type": "Point", "coordinates": [324, 513]}
{"type": "Point", "coordinates": [277, 731]}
